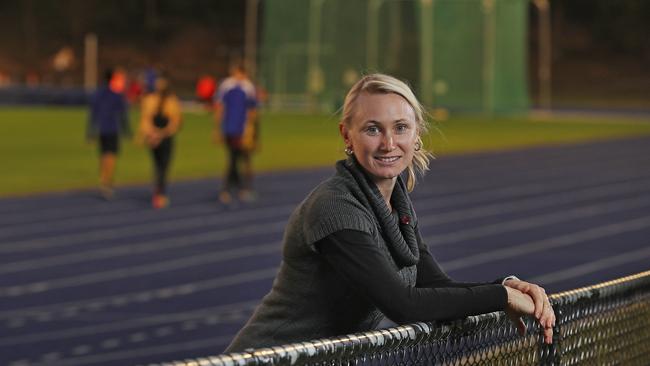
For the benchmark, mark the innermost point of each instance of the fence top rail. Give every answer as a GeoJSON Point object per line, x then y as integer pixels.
{"type": "Point", "coordinates": [405, 335]}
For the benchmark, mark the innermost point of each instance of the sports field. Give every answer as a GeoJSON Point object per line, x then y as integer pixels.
{"type": "Point", "coordinates": [43, 149]}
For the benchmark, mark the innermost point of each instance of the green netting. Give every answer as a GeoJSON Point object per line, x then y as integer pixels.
{"type": "Point", "coordinates": [457, 54]}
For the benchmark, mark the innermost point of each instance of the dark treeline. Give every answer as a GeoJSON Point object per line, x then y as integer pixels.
{"type": "Point", "coordinates": [613, 25]}
{"type": "Point", "coordinates": [132, 33]}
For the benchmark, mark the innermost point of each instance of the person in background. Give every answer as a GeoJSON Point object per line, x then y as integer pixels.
{"type": "Point", "coordinates": [235, 110]}
{"type": "Point", "coordinates": [353, 254]}
{"type": "Point", "coordinates": [108, 121]}
{"type": "Point", "coordinates": [150, 74]}
{"type": "Point", "coordinates": [159, 122]}
{"type": "Point", "coordinates": [205, 88]}
{"type": "Point", "coordinates": [134, 89]}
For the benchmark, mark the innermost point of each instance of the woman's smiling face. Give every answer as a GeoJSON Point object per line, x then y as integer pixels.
{"type": "Point", "coordinates": [382, 134]}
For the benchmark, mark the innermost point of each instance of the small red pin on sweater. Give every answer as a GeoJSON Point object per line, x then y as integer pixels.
{"type": "Point", "coordinates": [405, 220]}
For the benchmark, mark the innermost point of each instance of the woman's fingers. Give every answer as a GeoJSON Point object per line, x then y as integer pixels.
{"type": "Point", "coordinates": [548, 316]}
{"type": "Point", "coordinates": [548, 335]}
{"type": "Point", "coordinates": [516, 320]}
{"type": "Point", "coordinates": [526, 298]}
{"type": "Point", "coordinates": [537, 293]}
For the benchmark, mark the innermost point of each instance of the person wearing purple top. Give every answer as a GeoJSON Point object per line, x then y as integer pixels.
{"type": "Point", "coordinates": [235, 113]}
{"type": "Point", "coordinates": [108, 121]}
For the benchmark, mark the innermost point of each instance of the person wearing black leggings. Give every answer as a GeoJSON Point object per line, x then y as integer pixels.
{"type": "Point", "coordinates": [161, 117]}
{"type": "Point", "coordinates": [235, 115]}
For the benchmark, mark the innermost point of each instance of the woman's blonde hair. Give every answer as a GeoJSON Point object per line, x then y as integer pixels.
{"type": "Point", "coordinates": [384, 84]}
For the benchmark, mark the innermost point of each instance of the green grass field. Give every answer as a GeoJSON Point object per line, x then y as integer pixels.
{"type": "Point", "coordinates": [43, 148]}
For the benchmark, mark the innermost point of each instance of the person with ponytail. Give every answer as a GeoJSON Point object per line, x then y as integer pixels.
{"type": "Point", "coordinates": [159, 122]}
{"type": "Point", "coordinates": [353, 254]}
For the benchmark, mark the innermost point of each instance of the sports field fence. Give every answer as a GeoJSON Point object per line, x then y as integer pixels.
{"type": "Point", "coordinates": [603, 324]}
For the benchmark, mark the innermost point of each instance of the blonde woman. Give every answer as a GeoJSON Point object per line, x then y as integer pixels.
{"type": "Point", "coordinates": [353, 253]}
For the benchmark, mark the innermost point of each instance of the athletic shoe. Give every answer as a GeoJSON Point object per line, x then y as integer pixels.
{"type": "Point", "coordinates": [246, 195]}
{"type": "Point", "coordinates": [225, 197]}
{"type": "Point", "coordinates": [159, 201]}
{"type": "Point", "coordinates": [106, 192]}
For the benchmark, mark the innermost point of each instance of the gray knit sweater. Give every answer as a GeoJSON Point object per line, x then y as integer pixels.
{"type": "Point", "coordinates": [308, 299]}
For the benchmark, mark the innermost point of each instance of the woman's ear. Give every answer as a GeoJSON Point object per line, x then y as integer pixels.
{"type": "Point", "coordinates": [344, 133]}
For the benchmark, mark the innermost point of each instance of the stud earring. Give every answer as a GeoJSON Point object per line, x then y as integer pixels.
{"type": "Point", "coordinates": [349, 151]}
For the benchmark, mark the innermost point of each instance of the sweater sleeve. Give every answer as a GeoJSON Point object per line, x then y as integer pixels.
{"type": "Point", "coordinates": [358, 260]}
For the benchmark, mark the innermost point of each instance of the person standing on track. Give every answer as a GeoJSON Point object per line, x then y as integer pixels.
{"type": "Point", "coordinates": [235, 113]}
{"type": "Point", "coordinates": [353, 253]}
{"type": "Point", "coordinates": [108, 121]}
{"type": "Point", "coordinates": [159, 122]}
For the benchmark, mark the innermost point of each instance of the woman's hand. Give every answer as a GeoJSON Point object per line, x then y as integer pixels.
{"type": "Point", "coordinates": [543, 309]}
{"type": "Point", "coordinates": [532, 302]}
{"type": "Point", "coordinates": [153, 138]}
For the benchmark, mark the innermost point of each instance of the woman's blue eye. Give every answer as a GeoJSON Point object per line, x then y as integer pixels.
{"type": "Point", "coordinates": [402, 128]}
{"type": "Point", "coordinates": [372, 130]}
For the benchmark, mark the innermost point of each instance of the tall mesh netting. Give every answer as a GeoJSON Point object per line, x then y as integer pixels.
{"type": "Point", "coordinates": [457, 54]}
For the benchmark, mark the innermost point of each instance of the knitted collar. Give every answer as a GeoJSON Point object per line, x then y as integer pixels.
{"type": "Point", "coordinates": [398, 233]}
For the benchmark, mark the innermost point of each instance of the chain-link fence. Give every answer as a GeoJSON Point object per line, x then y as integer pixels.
{"type": "Point", "coordinates": [604, 324]}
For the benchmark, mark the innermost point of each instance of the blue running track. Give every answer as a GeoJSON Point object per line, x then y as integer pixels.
{"type": "Point", "coordinates": [87, 282]}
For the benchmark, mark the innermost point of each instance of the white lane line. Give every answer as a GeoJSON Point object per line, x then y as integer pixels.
{"type": "Point", "coordinates": [518, 189]}
{"type": "Point", "coordinates": [91, 205]}
{"type": "Point", "coordinates": [594, 266]}
{"type": "Point", "coordinates": [210, 343]}
{"type": "Point", "coordinates": [456, 215]}
{"type": "Point", "coordinates": [131, 297]}
{"type": "Point", "coordinates": [102, 219]}
{"type": "Point", "coordinates": [192, 318]}
{"type": "Point", "coordinates": [149, 246]}
{"type": "Point", "coordinates": [81, 350]}
{"type": "Point", "coordinates": [51, 356]}
{"type": "Point", "coordinates": [110, 343]}
{"type": "Point", "coordinates": [553, 168]}
{"type": "Point", "coordinates": [136, 229]}
{"type": "Point", "coordinates": [138, 337]}
{"type": "Point", "coordinates": [142, 270]}
{"type": "Point", "coordinates": [435, 240]}
{"type": "Point", "coordinates": [550, 173]}
{"type": "Point", "coordinates": [491, 167]}
{"type": "Point", "coordinates": [549, 243]}
{"type": "Point", "coordinates": [113, 220]}
{"type": "Point", "coordinates": [29, 216]}
{"type": "Point", "coordinates": [21, 362]}
{"type": "Point", "coordinates": [536, 221]}
{"type": "Point", "coordinates": [163, 331]}
{"type": "Point", "coordinates": [549, 200]}
{"type": "Point", "coordinates": [189, 325]}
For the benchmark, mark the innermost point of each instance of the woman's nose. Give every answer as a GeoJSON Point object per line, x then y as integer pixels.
{"type": "Point", "coordinates": [388, 142]}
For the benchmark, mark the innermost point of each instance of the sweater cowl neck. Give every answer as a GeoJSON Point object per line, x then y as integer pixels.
{"type": "Point", "coordinates": [399, 232]}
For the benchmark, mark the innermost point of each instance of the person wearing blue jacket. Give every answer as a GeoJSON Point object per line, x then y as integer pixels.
{"type": "Point", "coordinates": [108, 121]}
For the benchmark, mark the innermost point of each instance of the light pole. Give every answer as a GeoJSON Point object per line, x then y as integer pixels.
{"type": "Point", "coordinates": [372, 35]}
{"type": "Point", "coordinates": [426, 51]}
{"type": "Point", "coordinates": [489, 53]}
{"type": "Point", "coordinates": [314, 72]}
{"type": "Point", "coordinates": [544, 53]}
{"type": "Point", "coordinates": [250, 35]}
{"type": "Point", "coordinates": [90, 61]}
